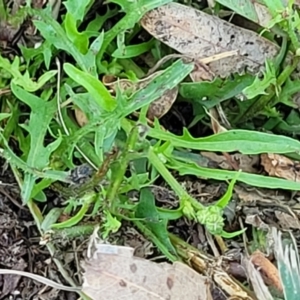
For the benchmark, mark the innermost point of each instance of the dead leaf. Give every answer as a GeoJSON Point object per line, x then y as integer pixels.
{"type": "Point", "coordinates": [201, 73]}
{"type": "Point", "coordinates": [197, 34]}
{"type": "Point", "coordinates": [280, 166]}
{"type": "Point", "coordinates": [245, 162]}
{"type": "Point", "coordinates": [256, 221]}
{"type": "Point", "coordinates": [112, 272]}
{"type": "Point", "coordinates": [81, 117]}
{"type": "Point", "coordinates": [268, 269]}
{"type": "Point", "coordinates": [161, 106]}
{"type": "Point", "coordinates": [287, 221]}
{"type": "Point", "coordinates": [11, 281]}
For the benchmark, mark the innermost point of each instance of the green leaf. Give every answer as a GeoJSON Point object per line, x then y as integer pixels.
{"type": "Point", "coordinates": [52, 31]}
{"type": "Point", "coordinates": [288, 262]}
{"type": "Point", "coordinates": [94, 86]}
{"type": "Point", "coordinates": [42, 113]}
{"type": "Point", "coordinates": [79, 39]}
{"type": "Point", "coordinates": [228, 195]}
{"type": "Point", "coordinates": [139, 6]}
{"type": "Point", "coordinates": [14, 160]}
{"type": "Point", "coordinates": [98, 21]}
{"type": "Point", "coordinates": [133, 50]}
{"type": "Point", "coordinates": [134, 12]}
{"type": "Point", "coordinates": [244, 8]}
{"type": "Point", "coordinates": [274, 6]}
{"type": "Point", "coordinates": [259, 86]}
{"type": "Point", "coordinates": [147, 210]}
{"type": "Point", "coordinates": [230, 235]}
{"type": "Point", "coordinates": [86, 103]}
{"type": "Point", "coordinates": [167, 80]}
{"type": "Point", "coordinates": [31, 54]}
{"type": "Point", "coordinates": [244, 141]}
{"type": "Point", "coordinates": [252, 179]}
{"type": "Point", "coordinates": [78, 9]}
{"type": "Point", "coordinates": [51, 218]}
{"type": "Point", "coordinates": [4, 116]}
{"type": "Point", "coordinates": [24, 80]}
{"type": "Point", "coordinates": [216, 91]}
{"type": "Point", "coordinates": [86, 202]}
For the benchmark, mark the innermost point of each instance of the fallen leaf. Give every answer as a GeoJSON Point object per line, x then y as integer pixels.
{"type": "Point", "coordinates": [11, 281]}
{"type": "Point", "coordinates": [268, 269]}
{"type": "Point", "coordinates": [197, 34]}
{"type": "Point", "coordinates": [112, 272]}
{"type": "Point", "coordinates": [246, 163]}
{"type": "Point", "coordinates": [81, 117]}
{"type": "Point", "coordinates": [280, 166]}
{"type": "Point", "coordinates": [287, 221]}
{"type": "Point", "coordinates": [256, 222]}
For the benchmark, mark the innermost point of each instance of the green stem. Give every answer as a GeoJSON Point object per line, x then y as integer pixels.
{"type": "Point", "coordinates": [119, 173]}
{"type": "Point", "coordinates": [173, 183]}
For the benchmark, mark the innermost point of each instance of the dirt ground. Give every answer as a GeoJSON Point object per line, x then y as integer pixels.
{"type": "Point", "coordinates": [20, 249]}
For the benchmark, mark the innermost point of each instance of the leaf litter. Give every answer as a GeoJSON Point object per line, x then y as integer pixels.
{"type": "Point", "coordinates": [197, 34]}
{"type": "Point", "coordinates": [112, 272]}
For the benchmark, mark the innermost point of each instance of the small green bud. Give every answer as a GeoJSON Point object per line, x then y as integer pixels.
{"type": "Point", "coordinates": [188, 210]}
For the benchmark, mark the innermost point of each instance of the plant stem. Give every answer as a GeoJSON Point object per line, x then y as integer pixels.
{"type": "Point", "coordinates": [173, 183]}
{"type": "Point", "coordinates": [119, 173]}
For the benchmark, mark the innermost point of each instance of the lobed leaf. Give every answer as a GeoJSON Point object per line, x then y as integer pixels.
{"type": "Point", "coordinates": [38, 156]}
{"type": "Point", "coordinates": [252, 179]}
{"type": "Point", "coordinates": [243, 141]}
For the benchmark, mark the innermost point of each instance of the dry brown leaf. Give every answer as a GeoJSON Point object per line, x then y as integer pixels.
{"type": "Point", "coordinates": [280, 166]}
{"type": "Point", "coordinates": [287, 221]}
{"type": "Point", "coordinates": [245, 162]}
{"type": "Point", "coordinates": [80, 117]}
{"type": "Point", "coordinates": [268, 269]}
{"type": "Point", "coordinates": [112, 272]}
{"type": "Point", "coordinates": [256, 222]}
{"type": "Point", "coordinates": [197, 34]}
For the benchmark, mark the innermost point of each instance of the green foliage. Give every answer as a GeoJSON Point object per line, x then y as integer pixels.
{"type": "Point", "coordinates": [147, 210]}
{"type": "Point", "coordinates": [259, 86]}
{"type": "Point", "coordinates": [24, 80]}
{"type": "Point", "coordinates": [209, 94]}
{"type": "Point", "coordinates": [244, 141]}
{"type": "Point", "coordinates": [245, 8]}
{"type": "Point", "coordinates": [127, 153]}
{"type": "Point", "coordinates": [95, 87]}
{"type": "Point", "coordinates": [42, 112]}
